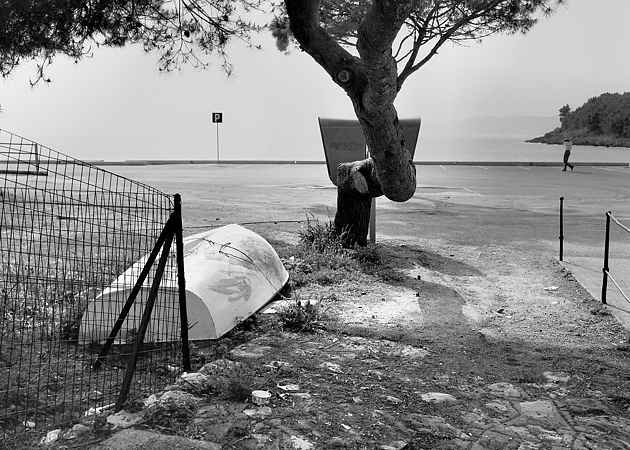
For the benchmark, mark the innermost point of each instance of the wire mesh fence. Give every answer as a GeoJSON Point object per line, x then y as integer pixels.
{"type": "Point", "coordinates": [73, 241]}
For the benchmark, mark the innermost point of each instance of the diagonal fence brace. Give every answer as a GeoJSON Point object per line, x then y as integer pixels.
{"type": "Point", "coordinates": [166, 232]}
{"type": "Point", "coordinates": [144, 322]}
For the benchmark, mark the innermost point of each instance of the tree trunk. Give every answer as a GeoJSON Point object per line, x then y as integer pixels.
{"type": "Point", "coordinates": [352, 219]}
{"type": "Point", "coordinates": [371, 82]}
{"type": "Point", "coordinates": [356, 186]}
{"type": "Point", "coordinates": [389, 170]}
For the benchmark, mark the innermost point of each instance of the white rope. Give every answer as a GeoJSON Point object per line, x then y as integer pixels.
{"type": "Point", "coordinates": [623, 227]}
{"type": "Point", "coordinates": [617, 286]}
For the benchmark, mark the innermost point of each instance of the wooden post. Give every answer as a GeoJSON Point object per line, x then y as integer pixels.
{"type": "Point", "coordinates": [373, 222]}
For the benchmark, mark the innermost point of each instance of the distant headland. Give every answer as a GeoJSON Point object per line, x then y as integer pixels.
{"type": "Point", "coordinates": [601, 121]}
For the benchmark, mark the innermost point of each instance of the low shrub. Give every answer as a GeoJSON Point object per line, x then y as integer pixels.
{"type": "Point", "coordinates": [320, 237]}
{"type": "Point", "coordinates": [305, 316]}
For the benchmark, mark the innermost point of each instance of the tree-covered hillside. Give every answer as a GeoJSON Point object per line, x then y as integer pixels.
{"type": "Point", "coordinates": [602, 120]}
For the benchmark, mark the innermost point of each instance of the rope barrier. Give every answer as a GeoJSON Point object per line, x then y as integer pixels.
{"type": "Point", "coordinates": [275, 222]}
{"type": "Point", "coordinates": [606, 268]}
{"type": "Point", "coordinates": [614, 219]}
{"type": "Point", "coordinates": [607, 272]}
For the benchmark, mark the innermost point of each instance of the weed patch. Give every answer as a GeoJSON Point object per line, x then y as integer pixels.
{"type": "Point", "coordinates": [305, 316]}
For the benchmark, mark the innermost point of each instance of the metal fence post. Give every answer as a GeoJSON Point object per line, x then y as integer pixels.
{"type": "Point", "coordinates": [561, 237]}
{"type": "Point", "coordinates": [181, 283]}
{"type": "Point", "coordinates": [605, 269]}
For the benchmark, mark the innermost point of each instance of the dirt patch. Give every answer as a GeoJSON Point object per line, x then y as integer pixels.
{"type": "Point", "coordinates": [422, 346]}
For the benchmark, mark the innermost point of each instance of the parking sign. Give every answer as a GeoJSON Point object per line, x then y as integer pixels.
{"type": "Point", "coordinates": [217, 117]}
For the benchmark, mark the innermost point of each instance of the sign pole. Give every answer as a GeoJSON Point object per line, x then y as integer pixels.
{"type": "Point", "coordinates": [373, 221]}
{"type": "Point", "coordinates": [372, 210]}
{"type": "Point", "coordinates": [217, 117]}
{"type": "Point", "coordinates": [217, 141]}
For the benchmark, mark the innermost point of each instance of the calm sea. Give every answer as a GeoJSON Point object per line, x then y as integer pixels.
{"type": "Point", "coordinates": [508, 148]}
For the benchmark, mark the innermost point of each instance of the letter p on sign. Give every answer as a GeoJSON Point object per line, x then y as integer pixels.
{"type": "Point", "coordinates": [217, 117]}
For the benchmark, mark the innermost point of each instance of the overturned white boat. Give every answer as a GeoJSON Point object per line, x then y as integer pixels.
{"type": "Point", "coordinates": [231, 272]}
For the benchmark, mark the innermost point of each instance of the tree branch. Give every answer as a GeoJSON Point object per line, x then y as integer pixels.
{"type": "Point", "coordinates": [344, 68]}
{"type": "Point", "coordinates": [410, 67]}
{"type": "Point", "coordinates": [381, 25]}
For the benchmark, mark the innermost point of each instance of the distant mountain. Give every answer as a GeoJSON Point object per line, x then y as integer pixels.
{"type": "Point", "coordinates": [601, 121]}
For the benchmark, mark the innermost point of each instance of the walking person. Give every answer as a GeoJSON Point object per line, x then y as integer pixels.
{"type": "Point", "coordinates": [567, 152]}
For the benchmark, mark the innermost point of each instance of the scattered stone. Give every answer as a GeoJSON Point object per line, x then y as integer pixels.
{"type": "Point", "coordinates": [409, 351]}
{"type": "Point", "coordinates": [123, 419]}
{"type": "Point", "coordinates": [605, 427]}
{"type": "Point", "coordinates": [301, 396]}
{"type": "Point", "coordinates": [261, 397]}
{"type": "Point", "coordinates": [436, 426]}
{"type": "Point", "coordinates": [542, 411]}
{"type": "Point", "coordinates": [249, 351]}
{"type": "Point", "coordinates": [396, 445]}
{"type": "Point", "coordinates": [337, 442]}
{"type": "Point", "coordinates": [194, 382]}
{"type": "Point", "coordinates": [260, 412]}
{"type": "Point", "coordinates": [261, 439]}
{"type": "Point", "coordinates": [585, 407]}
{"type": "Point", "coordinates": [501, 407]}
{"type": "Point", "coordinates": [357, 400]}
{"type": "Point", "coordinates": [299, 443]}
{"type": "Point", "coordinates": [173, 407]}
{"type": "Point", "coordinates": [346, 427]}
{"type": "Point", "coordinates": [477, 419]}
{"type": "Point", "coordinates": [492, 440]}
{"type": "Point", "coordinates": [51, 436]}
{"type": "Point", "coordinates": [393, 400]}
{"type": "Point", "coordinates": [333, 367]}
{"type": "Point", "coordinates": [214, 431]}
{"type": "Point", "coordinates": [556, 377]}
{"type": "Point", "coordinates": [76, 431]}
{"type": "Point", "coordinates": [150, 400]}
{"type": "Point", "coordinates": [142, 439]}
{"type": "Point", "coordinates": [438, 397]}
{"type": "Point", "coordinates": [505, 390]}
{"type": "Point", "coordinates": [289, 387]}
{"type": "Point", "coordinates": [278, 364]}
{"type": "Point", "coordinates": [220, 367]}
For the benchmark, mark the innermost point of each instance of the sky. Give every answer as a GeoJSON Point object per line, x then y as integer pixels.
{"type": "Point", "coordinates": [116, 105]}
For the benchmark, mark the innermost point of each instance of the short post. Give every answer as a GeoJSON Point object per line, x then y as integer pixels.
{"type": "Point", "coordinates": [605, 269]}
{"type": "Point", "coordinates": [561, 237]}
{"type": "Point", "coordinates": [181, 283]}
{"type": "Point", "coordinates": [373, 221]}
